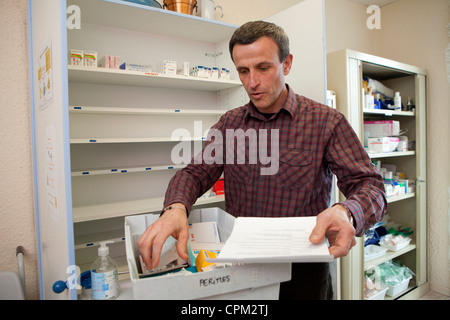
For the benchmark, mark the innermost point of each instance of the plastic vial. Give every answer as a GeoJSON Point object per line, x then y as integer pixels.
{"type": "Point", "coordinates": [104, 275]}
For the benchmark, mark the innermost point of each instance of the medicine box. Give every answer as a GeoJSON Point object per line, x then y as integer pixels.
{"type": "Point", "coordinates": [248, 281]}
{"type": "Point", "coordinates": [382, 144]}
{"type": "Point", "coordinates": [168, 67]}
{"type": "Point", "coordinates": [184, 69]}
{"type": "Point", "coordinates": [110, 62]}
{"type": "Point", "coordinates": [382, 128]}
{"type": "Point", "coordinates": [90, 59]}
{"type": "Point", "coordinates": [135, 67]}
{"type": "Point", "coordinates": [76, 57]}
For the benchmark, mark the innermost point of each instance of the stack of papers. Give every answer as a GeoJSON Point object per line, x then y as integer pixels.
{"type": "Point", "coordinates": [273, 240]}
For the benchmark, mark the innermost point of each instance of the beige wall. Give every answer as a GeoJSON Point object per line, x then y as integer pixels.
{"type": "Point", "coordinates": [346, 27]}
{"type": "Point", "coordinates": [423, 43]}
{"type": "Point", "coordinates": [408, 27]}
{"type": "Point", "coordinates": [17, 225]}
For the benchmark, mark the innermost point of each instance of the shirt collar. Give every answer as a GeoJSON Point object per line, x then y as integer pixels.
{"type": "Point", "coordinates": [288, 106]}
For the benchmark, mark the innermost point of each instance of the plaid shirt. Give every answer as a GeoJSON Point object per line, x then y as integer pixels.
{"type": "Point", "coordinates": [314, 141]}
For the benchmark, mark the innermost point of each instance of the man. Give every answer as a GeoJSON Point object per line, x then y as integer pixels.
{"type": "Point", "coordinates": [312, 141]}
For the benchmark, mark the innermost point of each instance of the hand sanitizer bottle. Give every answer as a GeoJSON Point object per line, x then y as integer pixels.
{"type": "Point", "coordinates": [104, 275]}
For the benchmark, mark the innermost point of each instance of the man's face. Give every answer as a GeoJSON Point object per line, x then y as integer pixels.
{"type": "Point", "coordinates": [262, 74]}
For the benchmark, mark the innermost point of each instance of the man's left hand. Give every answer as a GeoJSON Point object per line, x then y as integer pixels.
{"type": "Point", "coordinates": [335, 224]}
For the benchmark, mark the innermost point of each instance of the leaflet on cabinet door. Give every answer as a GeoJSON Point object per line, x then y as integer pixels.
{"type": "Point", "coordinates": [45, 77]}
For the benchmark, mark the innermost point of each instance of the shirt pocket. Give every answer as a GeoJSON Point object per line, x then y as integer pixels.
{"type": "Point", "coordinates": [295, 169]}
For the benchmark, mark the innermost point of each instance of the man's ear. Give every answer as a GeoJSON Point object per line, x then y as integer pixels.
{"type": "Point", "coordinates": [287, 64]}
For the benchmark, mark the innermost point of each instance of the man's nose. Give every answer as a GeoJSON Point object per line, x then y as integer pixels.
{"type": "Point", "coordinates": [253, 79]}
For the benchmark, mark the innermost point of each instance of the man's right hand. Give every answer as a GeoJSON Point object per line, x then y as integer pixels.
{"type": "Point", "coordinates": [172, 223]}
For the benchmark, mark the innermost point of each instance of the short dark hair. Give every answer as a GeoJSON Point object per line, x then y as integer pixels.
{"type": "Point", "coordinates": [253, 30]}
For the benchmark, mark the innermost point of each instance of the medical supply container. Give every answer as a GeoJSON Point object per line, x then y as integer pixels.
{"type": "Point", "coordinates": [246, 281]}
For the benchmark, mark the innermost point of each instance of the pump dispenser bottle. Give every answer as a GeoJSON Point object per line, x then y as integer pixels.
{"type": "Point", "coordinates": [104, 275]}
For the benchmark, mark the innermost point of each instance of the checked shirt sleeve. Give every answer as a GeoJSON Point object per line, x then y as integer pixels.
{"type": "Point", "coordinates": [358, 178]}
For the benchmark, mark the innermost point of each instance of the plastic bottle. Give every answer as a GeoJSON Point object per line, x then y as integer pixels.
{"type": "Point", "coordinates": [397, 101]}
{"type": "Point", "coordinates": [104, 275]}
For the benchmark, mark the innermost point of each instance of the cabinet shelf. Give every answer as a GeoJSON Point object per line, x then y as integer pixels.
{"type": "Point", "coordinates": [400, 197]}
{"type": "Point", "coordinates": [93, 240]}
{"type": "Point", "coordinates": [388, 256]}
{"type": "Point", "coordinates": [125, 208]}
{"type": "Point", "coordinates": [130, 140]}
{"type": "Point", "coordinates": [141, 111]}
{"type": "Point", "coordinates": [119, 170]}
{"type": "Point", "coordinates": [391, 154]}
{"type": "Point", "coordinates": [389, 112]}
{"type": "Point", "coordinates": [141, 79]}
{"type": "Point", "coordinates": [131, 16]}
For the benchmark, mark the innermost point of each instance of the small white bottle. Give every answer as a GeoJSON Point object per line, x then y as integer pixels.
{"type": "Point", "coordinates": [397, 101]}
{"type": "Point", "coordinates": [104, 275]}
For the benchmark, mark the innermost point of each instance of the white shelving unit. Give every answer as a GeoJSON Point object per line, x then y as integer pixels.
{"type": "Point", "coordinates": [346, 70]}
{"type": "Point", "coordinates": [103, 139]}
{"type": "Point", "coordinates": [119, 127]}
{"type": "Point", "coordinates": [121, 143]}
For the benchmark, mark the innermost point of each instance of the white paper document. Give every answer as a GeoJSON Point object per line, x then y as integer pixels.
{"type": "Point", "coordinates": [270, 240]}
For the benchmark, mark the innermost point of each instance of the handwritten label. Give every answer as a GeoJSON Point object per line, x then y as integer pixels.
{"type": "Point", "coordinates": [214, 281]}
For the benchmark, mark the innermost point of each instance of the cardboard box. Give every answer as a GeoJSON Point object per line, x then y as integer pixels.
{"type": "Point", "coordinates": [76, 57]}
{"type": "Point", "coordinates": [90, 59]}
{"type": "Point", "coordinates": [249, 281]}
{"type": "Point", "coordinates": [382, 128]}
{"type": "Point", "coordinates": [135, 67]}
{"type": "Point", "coordinates": [168, 67]}
{"type": "Point", "coordinates": [382, 144]}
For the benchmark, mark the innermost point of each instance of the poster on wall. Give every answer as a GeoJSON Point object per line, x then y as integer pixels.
{"type": "Point", "coordinates": [45, 77]}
